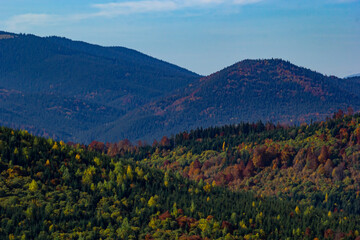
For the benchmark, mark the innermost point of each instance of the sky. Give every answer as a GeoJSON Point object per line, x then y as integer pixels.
{"type": "Point", "coordinates": [204, 36]}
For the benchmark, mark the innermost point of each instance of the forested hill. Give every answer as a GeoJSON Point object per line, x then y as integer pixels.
{"type": "Point", "coordinates": [352, 84]}
{"type": "Point", "coordinates": [53, 190]}
{"type": "Point", "coordinates": [60, 87]}
{"type": "Point", "coordinates": [251, 90]}
{"type": "Point", "coordinates": [61, 66]}
{"type": "Point", "coordinates": [316, 164]}
{"type": "Point", "coordinates": [80, 92]}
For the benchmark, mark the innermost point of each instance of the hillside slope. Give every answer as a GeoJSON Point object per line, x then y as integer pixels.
{"type": "Point", "coordinates": [251, 90]}
{"type": "Point", "coordinates": [316, 163]}
{"type": "Point", "coordinates": [51, 190]}
{"type": "Point", "coordinates": [351, 84]}
{"type": "Point", "coordinates": [109, 77]}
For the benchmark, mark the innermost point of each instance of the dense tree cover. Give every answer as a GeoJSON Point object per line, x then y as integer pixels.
{"type": "Point", "coordinates": [53, 190]}
{"type": "Point", "coordinates": [269, 90]}
{"type": "Point", "coordinates": [316, 164]}
{"type": "Point", "coordinates": [352, 84]}
{"type": "Point", "coordinates": [65, 87]}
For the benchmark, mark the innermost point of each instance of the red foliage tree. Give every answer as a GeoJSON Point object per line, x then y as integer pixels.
{"type": "Point", "coordinates": [97, 146]}
{"type": "Point", "coordinates": [338, 172]}
{"type": "Point", "coordinates": [249, 169]}
{"type": "Point", "coordinates": [311, 160]}
{"type": "Point", "coordinates": [324, 154]}
{"type": "Point", "coordinates": [328, 167]}
{"type": "Point", "coordinates": [165, 215]}
{"type": "Point", "coordinates": [165, 141]}
{"type": "Point", "coordinates": [339, 114]}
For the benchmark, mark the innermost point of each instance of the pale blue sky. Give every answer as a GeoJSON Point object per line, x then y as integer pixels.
{"type": "Point", "coordinates": [204, 35]}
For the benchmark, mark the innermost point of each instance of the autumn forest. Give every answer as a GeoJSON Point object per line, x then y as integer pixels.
{"type": "Point", "coordinates": [244, 181]}
{"type": "Point", "coordinates": [109, 143]}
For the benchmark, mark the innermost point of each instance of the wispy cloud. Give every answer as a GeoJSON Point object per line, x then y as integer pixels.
{"type": "Point", "coordinates": [244, 2]}
{"type": "Point", "coordinates": [345, 1]}
{"type": "Point", "coordinates": [341, 1]}
{"type": "Point", "coordinates": [126, 7]}
{"type": "Point", "coordinates": [30, 19]}
{"type": "Point", "coordinates": [113, 9]}
{"type": "Point", "coordinates": [129, 7]}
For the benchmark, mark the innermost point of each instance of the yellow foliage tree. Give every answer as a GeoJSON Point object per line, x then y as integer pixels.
{"type": "Point", "coordinates": [139, 172]}
{"type": "Point", "coordinates": [166, 179]}
{"type": "Point", "coordinates": [207, 187]}
{"type": "Point", "coordinates": [88, 174]}
{"type": "Point", "coordinates": [129, 172]}
{"type": "Point", "coordinates": [326, 198]}
{"type": "Point", "coordinates": [33, 187]}
{"type": "Point", "coordinates": [213, 184]}
{"type": "Point", "coordinates": [153, 201]}
{"type": "Point", "coordinates": [97, 161]}
{"type": "Point", "coordinates": [55, 146]}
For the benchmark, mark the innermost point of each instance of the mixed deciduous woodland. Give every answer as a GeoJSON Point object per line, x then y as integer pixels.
{"type": "Point", "coordinates": [241, 181]}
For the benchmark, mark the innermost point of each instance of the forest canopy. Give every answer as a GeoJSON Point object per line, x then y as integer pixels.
{"type": "Point", "coordinates": [246, 181]}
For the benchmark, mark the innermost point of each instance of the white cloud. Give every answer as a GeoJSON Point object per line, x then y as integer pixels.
{"type": "Point", "coordinates": [340, 1]}
{"type": "Point", "coordinates": [128, 7]}
{"type": "Point", "coordinates": [245, 2]}
{"type": "Point", "coordinates": [20, 21]}
{"type": "Point", "coordinates": [345, 1]}
{"type": "Point", "coordinates": [113, 9]}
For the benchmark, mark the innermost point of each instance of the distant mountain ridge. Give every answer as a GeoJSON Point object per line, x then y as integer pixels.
{"type": "Point", "coordinates": [51, 76]}
{"type": "Point", "coordinates": [80, 92]}
{"type": "Point", "coordinates": [53, 64]}
{"type": "Point", "coordinates": [353, 75]}
{"type": "Point", "coordinates": [250, 90]}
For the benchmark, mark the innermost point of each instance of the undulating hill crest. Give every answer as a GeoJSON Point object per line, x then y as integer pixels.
{"type": "Point", "coordinates": [351, 84]}
{"type": "Point", "coordinates": [69, 86]}
{"type": "Point", "coordinates": [251, 90]}
{"type": "Point", "coordinates": [82, 92]}
{"type": "Point", "coordinates": [71, 68]}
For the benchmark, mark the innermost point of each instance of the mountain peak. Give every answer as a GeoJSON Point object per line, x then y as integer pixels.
{"type": "Point", "coordinates": [270, 71]}
{"type": "Point", "coordinates": [353, 75]}
{"type": "Point", "coordinates": [250, 90]}
{"type": "Point", "coordinates": [70, 86]}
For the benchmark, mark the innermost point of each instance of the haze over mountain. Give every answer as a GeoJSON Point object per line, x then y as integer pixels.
{"type": "Point", "coordinates": [80, 92]}
{"type": "Point", "coordinates": [353, 75]}
{"type": "Point", "coordinates": [250, 90]}
{"type": "Point", "coordinates": [61, 87]}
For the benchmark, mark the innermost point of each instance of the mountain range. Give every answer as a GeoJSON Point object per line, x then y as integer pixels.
{"type": "Point", "coordinates": [77, 91]}
{"type": "Point", "coordinates": [353, 75]}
